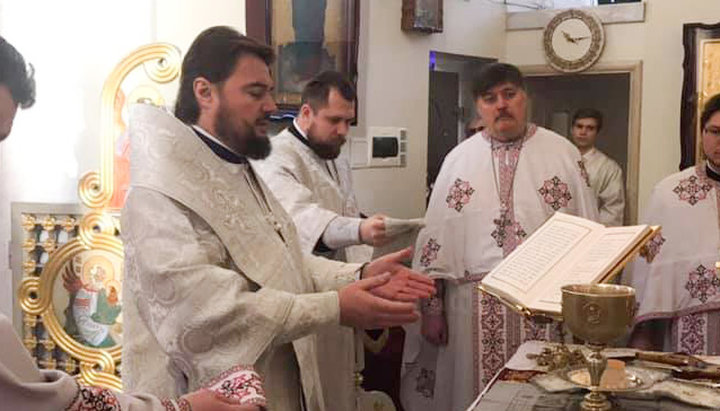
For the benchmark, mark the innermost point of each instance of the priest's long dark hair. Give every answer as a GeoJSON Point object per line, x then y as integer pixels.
{"type": "Point", "coordinates": [213, 56]}
{"type": "Point", "coordinates": [16, 75]}
{"type": "Point", "coordinates": [711, 107]}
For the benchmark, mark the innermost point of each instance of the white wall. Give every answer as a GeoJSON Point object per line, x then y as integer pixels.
{"type": "Point", "coordinates": [658, 43]}
{"type": "Point", "coordinates": [180, 21]}
{"type": "Point", "coordinates": [393, 89]}
{"type": "Point", "coordinates": [74, 45]}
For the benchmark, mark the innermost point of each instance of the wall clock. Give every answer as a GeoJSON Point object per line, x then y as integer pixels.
{"type": "Point", "coordinates": [573, 40]}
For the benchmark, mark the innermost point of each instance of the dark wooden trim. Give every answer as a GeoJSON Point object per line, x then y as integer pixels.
{"type": "Point", "coordinates": [353, 55]}
{"type": "Point", "coordinates": [693, 33]}
{"type": "Point", "coordinates": [354, 52]}
{"type": "Point", "coordinates": [258, 20]}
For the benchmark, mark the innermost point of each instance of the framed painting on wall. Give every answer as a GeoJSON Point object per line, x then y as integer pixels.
{"type": "Point", "coordinates": [422, 15]}
{"type": "Point", "coordinates": [701, 80]}
{"type": "Point", "coordinates": [308, 36]}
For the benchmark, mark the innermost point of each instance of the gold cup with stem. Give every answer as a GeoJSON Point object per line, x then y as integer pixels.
{"type": "Point", "coordinates": [597, 314]}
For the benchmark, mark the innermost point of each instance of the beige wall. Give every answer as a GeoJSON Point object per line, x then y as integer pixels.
{"type": "Point", "coordinates": [393, 89]}
{"type": "Point", "coordinates": [658, 43]}
{"type": "Point", "coordinates": [179, 21]}
{"type": "Point", "coordinates": [74, 45]}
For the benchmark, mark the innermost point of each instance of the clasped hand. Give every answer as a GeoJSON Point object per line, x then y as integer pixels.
{"type": "Point", "coordinates": [373, 232]}
{"type": "Point", "coordinates": [387, 294]}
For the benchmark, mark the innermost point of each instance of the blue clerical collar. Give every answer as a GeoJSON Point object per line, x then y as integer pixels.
{"type": "Point", "coordinates": [220, 149]}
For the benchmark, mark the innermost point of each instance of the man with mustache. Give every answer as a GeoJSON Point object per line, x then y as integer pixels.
{"type": "Point", "coordinates": [214, 272]}
{"type": "Point", "coordinates": [493, 190]}
{"type": "Point", "coordinates": [313, 182]}
{"type": "Point", "coordinates": [678, 291]}
{"type": "Point", "coordinates": [25, 387]}
{"type": "Point", "coordinates": [605, 175]}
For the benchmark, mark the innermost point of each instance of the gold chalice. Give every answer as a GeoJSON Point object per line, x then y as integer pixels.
{"type": "Point", "coordinates": [597, 314]}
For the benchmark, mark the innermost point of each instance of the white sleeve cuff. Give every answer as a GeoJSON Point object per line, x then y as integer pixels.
{"type": "Point", "coordinates": [342, 232]}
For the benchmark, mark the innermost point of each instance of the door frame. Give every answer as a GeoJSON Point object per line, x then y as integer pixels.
{"type": "Point", "coordinates": [634, 69]}
{"type": "Point", "coordinates": [455, 130]}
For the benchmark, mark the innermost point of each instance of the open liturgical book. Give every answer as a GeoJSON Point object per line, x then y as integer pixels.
{"type": "Point", "coordinates": [564, 250]}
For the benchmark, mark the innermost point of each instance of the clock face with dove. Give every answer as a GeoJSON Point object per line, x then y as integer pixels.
{"type": "Point", "coordinates": [573, 40]}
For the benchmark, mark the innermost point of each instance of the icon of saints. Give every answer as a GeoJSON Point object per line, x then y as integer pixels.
{"type": "Point", "coordinates": [94, 308]}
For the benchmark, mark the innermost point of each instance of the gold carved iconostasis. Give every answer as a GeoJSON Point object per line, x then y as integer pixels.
{"type": "Point", "coordinates": [70, 273]}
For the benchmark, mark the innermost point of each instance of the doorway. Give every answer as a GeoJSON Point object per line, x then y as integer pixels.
{"type": "Point", "coordinates": [556, 98]}
{"type": "Point", "coordinates": [450, 106]}
{"type": "Point", "coordinates": [614, 90]}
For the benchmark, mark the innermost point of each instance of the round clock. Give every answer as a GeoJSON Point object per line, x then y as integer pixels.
{"type": "Point", "coordinates": [573, 40]}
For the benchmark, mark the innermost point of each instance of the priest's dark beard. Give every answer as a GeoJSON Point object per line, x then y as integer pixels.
{"type": "Point", "coordinates": [248, 144]}
{"type": "Point", "coordinates": [326, 151]}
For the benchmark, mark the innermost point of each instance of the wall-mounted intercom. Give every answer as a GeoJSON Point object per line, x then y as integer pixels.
{"type": "Point", "coordinates": [382, 147]}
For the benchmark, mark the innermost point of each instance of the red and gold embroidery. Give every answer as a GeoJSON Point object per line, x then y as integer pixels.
{"type": "Point", "coordinates": [650, 250]}
{"type": "Point", "coordinates": [702, 283]}
{"type": "Point", "coordinates": [583, 172]}
{"type": "Point", "coordinates": [429, 252]}
{"type": "Point", "coordinates": [508, 233]}
{"type": "Point", "coordinates": [492, 322]}
{"type": "Point", "coordinates": [240, 385]}
{"type": "Point", "coordinates": [459, 194]}
{"type": "Point", "coordinates": [94, 398]}
{"type": "Point", "coordinates": [692, 189]}
{"type": "Point", "coordinates": [181, 404]}
{"type": "Point", "coordinates": [692, 330]}
{"type": "Point", "coordinates": [556, 193]}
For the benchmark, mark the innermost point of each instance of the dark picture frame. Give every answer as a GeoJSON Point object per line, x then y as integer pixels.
{"type": "Point", "coordinates": [422, 15]}
{"type": "Point", "coordinates": [308, 36]}
{"type": "Point", "coordinates": [693, 35]}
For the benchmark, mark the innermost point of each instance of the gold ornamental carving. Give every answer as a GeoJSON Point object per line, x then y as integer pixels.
{"type": "Point", "coordinates": [71, 296]}
{"type": "Point", "coordinates": [97, 363]}
{"type": "Point", "coordinates": [161, 64]}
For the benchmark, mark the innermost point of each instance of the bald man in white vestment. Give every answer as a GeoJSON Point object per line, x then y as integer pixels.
{"type": "Point", "coordinates": [493, 190]}
{"type": "Point", "coordinates": [215, 275]}
{"type": "Point", "coordinates": [604, 173]}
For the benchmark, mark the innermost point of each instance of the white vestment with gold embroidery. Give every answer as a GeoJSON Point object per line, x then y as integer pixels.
{"type": "Point", "coordinates": [214, 274]}
{"type": "Point", "coordinates": [314, 191]}
{"type": "Point", "coordinates": [465, 237]}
